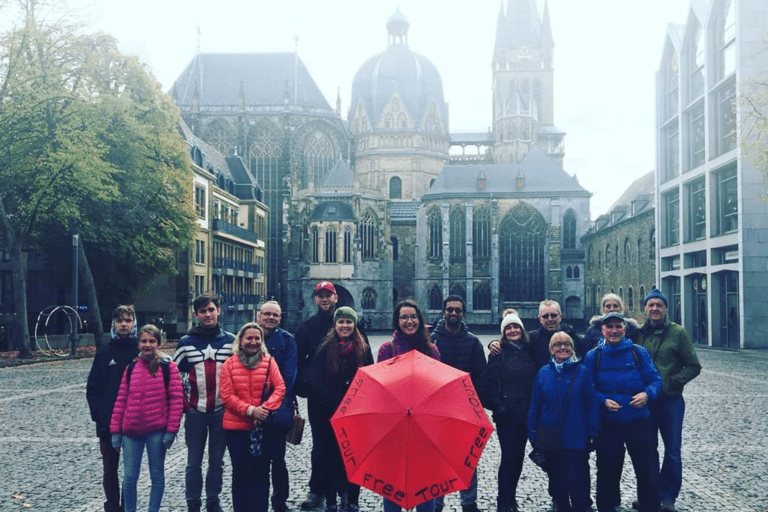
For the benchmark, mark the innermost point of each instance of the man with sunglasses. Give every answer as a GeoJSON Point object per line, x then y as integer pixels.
{"type": "Point", "coordinates": [462, 350]}
{"type": "Point", "coordinates": [551, 320]}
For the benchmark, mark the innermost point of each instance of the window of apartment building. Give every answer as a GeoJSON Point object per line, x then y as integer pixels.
{"type": "Point", "coordinates": [726, 201]}
{"type": "Point", "coordinates": [435, 224]}
{"type": "Point", "coordinates": [670, 150]}
{"type": "Point", "coordinates": [724, 118]}
{"type": "Point", "coordinates": [696, 65]}
{"type": "Point", "coordinates": [671, 93]}
{"type": "Point", "coordinates": [330, 245]}
{"type": "Point", "coordinates": [199, 285]}
{"type": "Point", "coordinates": [671, 217]}
{"type": "Point", "coordinates": [458, 238]}
{"type": "Point", "coordinates": [569, 230]}
{"type": "Point", "coordinates": [200, 252]}
{"type": "Point", "coordinates": [368, 235]}
{"type": "Point", "coordinates": [200, 201]}
{"type": "Point", "coordinates": [696, 225]}
{"type": "Point", "coordinates": [481, 233]}
{"type": "Point", "coordinates": [695, 144]}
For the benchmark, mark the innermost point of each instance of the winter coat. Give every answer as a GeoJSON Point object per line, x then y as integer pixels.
{"type": "Point", "coordinates": [242, 387]}
{"type": "Point", "coordinates": [282, 346]}
{"type": "Point", "coordinates": [200, 355]}
{"type": "Point", "coordinates": [332, 386]}
{"type": "Point", "coordinates": [672, 353]}
{"type": "Point", "coordinates": [505, 384]}
{"type": "Point", "coordinates": [594, 334]}
{"type": "Point", "coordinates": [619, 379]}
{"type": "Point", "coordinates": [539, 341]}
{"type": "Point", "coordinates": [399, 345]}
{"type": "Point", "coordinates": [462, 350]}
{"type": "Point", "coordinates": [145, 406]}
{"type": "Point", "coordinates": [548, 400]}
{"type": "Point", "coordinates": [309, 336]}
{"type": "Point", "coordinates": [107, 370]}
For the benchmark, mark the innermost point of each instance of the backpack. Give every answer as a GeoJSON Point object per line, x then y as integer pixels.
{"type": "Point", "coordinates": [599, 357]}
{"type": "Point", "coordinates": [164, 366]}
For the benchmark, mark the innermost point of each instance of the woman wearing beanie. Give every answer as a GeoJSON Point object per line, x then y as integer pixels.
{"type": "Point", "coordinates": [147, 413]}
{"type": "Point", "coordinates": [505, 389]}
{"type": "Point", "coordinates": [334, 365]}
{"type": "Point", "coordinates": [410, 333]}
{"type": "Point", "coordinates": [248, 377]}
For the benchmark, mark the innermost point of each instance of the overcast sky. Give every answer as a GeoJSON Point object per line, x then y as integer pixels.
{"type": "Point", "coordinates": [606, 56]}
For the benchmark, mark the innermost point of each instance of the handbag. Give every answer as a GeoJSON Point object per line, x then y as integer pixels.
{"type": "Point", "coordinates": [296, 432]}
{"type": "Point", "coordinates": [257, 433]}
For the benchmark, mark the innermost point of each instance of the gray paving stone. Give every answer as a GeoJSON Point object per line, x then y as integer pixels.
{"type": "Point", "coordinates": [49, 453]}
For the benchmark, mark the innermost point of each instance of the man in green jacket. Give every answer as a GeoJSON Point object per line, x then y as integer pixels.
{"type": "Point", "coordinates": [671, 350]}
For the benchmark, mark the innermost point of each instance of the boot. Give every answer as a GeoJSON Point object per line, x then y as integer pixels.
{"type": "Point", "coordinates": [193, 506]}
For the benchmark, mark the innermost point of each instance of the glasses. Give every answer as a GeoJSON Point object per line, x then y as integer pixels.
{"type": "Point", "coordinates": [550, 315]}
{"type": "Point", "coordinates": [405, 318]}
{"type": "Point", "coordinates": [458, 311]}
{"type": "Point", "coordinates": [564, 344]}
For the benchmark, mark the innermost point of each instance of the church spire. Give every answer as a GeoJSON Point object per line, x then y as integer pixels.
{"type": "Point", "coordinates": [546, 28]}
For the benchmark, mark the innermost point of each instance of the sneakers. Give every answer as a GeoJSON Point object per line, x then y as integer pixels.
{"type": "Point", "coordinates": [213, 506]}
{"type": "Point", "coordinates": [552, 507]}
{"type": "Point", "coordinates": [313, 500]}
{"type": "Point", "coordinates": [667, 506]}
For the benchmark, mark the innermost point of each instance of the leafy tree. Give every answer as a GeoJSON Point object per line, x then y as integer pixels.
{"type": "Point", "coordinates": [755, 139]}
{"type": "Point", "coordinates": [86, 136]}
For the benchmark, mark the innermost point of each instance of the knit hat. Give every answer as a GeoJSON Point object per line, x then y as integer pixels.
{"type": "Point", "coordinates": [656, 294]}
{"type": "Point", "coordinates": [345, 312]}
{"type": "Point", "coordinates": [510, 319]}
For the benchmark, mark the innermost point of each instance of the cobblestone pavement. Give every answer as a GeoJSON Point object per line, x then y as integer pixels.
{"type": "Point", "coordinates": [49, 456]}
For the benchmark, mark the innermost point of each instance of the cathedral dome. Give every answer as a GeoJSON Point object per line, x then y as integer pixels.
{"type": "Point", "coordinates": [402, 72]}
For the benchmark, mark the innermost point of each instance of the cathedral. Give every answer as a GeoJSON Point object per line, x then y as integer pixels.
{"type": "Point", "coordinates": [387, 202]}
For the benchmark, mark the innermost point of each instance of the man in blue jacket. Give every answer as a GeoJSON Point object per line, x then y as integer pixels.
{"type": "Point", "coordinates": [625, 381]}
{"type": "Point", "coordinates": [281, 346]}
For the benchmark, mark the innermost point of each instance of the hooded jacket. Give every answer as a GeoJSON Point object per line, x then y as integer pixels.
{"type": "Point", "coordinates": [309, 336]}
{"type": "Point", "coordinates": [242, 387]}
{"type": "Point", "coordinates": [107, 370]}
{"type": "Point", "coordinates": [540, 343]}
{"type": "Point", "coordinates": [673, 354]}
{"type": "Point", "coordinates": [619, 379]}
{"type": "Point", "coordinates": [505, 384]}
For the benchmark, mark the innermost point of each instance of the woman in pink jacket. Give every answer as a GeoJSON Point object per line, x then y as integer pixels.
{"type": "Point", "coordinates": [147, 413]}
{"type": "Point", "coordinates": [246, 377]}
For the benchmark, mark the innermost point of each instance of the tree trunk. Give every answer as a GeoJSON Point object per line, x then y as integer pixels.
{"type": "Point", "coordinates": [19, 272]}
{"type": "Point", "coordinates": [89, 289]}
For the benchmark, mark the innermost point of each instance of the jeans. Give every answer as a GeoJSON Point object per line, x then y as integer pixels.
{"type": "Point", "coordinates": [467, 497]}
{"type": "Point", "coordinates": [391, 506]}
{"type": "Point", "coordinates": [110, 460]}
{"type": "Point", "coordinates": [667, 419]}
{"type": "Point", "coordinates": [636, 436]}
{"type": "Point", "coordinates": [250, 475]}
{"type": "Point", "coordinates": [512, 440]}
{"type": "Point", "coordinates": [571, 474]}
{"type": "Point", "coordinates": [274, 443]}
{"type": "Point", "coordinates": [197, 427]}
{"type": "Point", "coordinates": [133, 447]}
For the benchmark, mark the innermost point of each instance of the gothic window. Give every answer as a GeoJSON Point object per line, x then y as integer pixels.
{"type": "Point", "coordinates": [457, 289]}
{"type": "Point", "coordinates": [569, 230]}
{"type": "Point", "coordinates": [599, 259]}
{"type": "Point", "coordinates": [576, 272]}
{"type": "Point", "coordinates": [569, 272]}
{"type": "Point", "coordinates": [608, 256]}
{"type": "Point", "coordinates": [631, 299]}
{"type": "Point", "coordinates": [639, 252]}
{"type": "Point", "coordinates": [458, 240]}
{"type": "Point", "coordinates": [369, 298]}
{"type": "Point", "coordinates": [435, 224]}
{"type": "Point", "coordinates": [402, 121]}
{"type": "Point", "coordinates": [395, 188]}
{"type": "Point", "coordinates": [315, 243]}
{"type": "Point", "coordinates": [641, 298]}
{"type": "Point", "coordinates": [621, 293]}
{"type": "Point", "coordinates": [627, 251]}
{"type": "Point", "coordinates": [319, 156]}
{"type": "Point", "coordinates": [330, 245]}
{"type": "Point", "coordinates": [395, 248]}
{"type": "Point", "coordinates": [481, 234]}
{"type": "Point", "coordinates": [522, 235]}
{"type": "Point", "coordinates": [435, 297]}
{"type": "Point", "coordinates": [221, 136]}
{"type": "Point", "coordinates": [652, 246]}
{"type": "Point", "coordinates": [481, 297]}
{"type": "Point", "coordinates": [616, 255]}
{"type": "Point", "coordinates": [590, 258]}
{"type": "Point", "coordinates": [368, 235]}
{"type": "Point", "coordinates": [348, 244]}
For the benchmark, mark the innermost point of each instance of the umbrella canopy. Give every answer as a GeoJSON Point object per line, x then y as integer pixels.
{"type": "Point", "coordinates": [411, 429]}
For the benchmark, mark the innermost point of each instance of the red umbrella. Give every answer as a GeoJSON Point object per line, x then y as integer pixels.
{"type": "Point", "coordinates": [411, 429]}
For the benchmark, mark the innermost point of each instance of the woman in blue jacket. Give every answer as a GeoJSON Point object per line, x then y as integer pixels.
{"type": "Point", "coordinates": [626, 380]}
{"type": "Point", "coordinates": [564, 403]}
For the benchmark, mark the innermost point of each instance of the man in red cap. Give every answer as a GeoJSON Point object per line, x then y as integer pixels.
{"type": "Point", "coordinates": [309, 336]}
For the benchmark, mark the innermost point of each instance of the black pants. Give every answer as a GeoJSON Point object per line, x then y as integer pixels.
{"type": "Point", "coordinates": [636, 436]}
{"type": "Point", "coordinates": [570, 477]}
{"type": "Point", "coordinates": [274, 449]}
{"type": "Point", "coordinates": [336, 483]}
{"type": "Point", "coordinates": [317, 474]}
